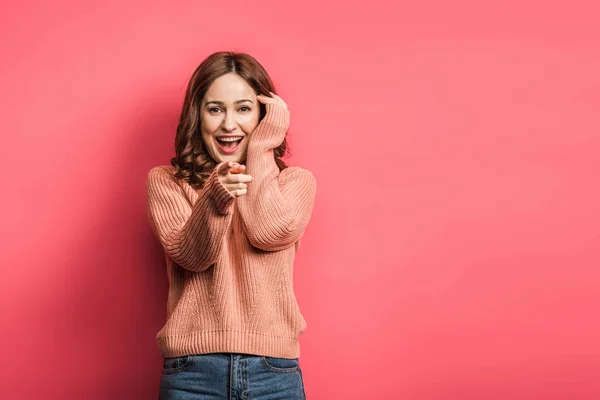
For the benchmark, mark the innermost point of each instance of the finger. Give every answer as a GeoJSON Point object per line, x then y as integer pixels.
{"type": "Point", "coordinates": [239, 167]}
{"type": "Point", "coordinates": [240, 192]}
{"type": "Point", "coordinates": [245, 178]}
{"type": "Point", "coordinates": [276, 98]}
{"type": "Point", "coordinates": [236, 169]}
{"type": "Point", "coordinates": [224, 167]}
{"type": "Point", "coordinates": [279, 100]}
{"type": "Point", "coordinates": [239, 178]}
{"type": "Point", "coordinates": [233, 187]}
{"type": "Point", "coordinates": [265, 99]}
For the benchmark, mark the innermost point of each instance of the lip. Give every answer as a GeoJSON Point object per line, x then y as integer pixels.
{"type": "Point", "coordinates": [232, 150]}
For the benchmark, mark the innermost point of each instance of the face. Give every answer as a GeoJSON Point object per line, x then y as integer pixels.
{"type": "Point", "coordinates": [229, 113]}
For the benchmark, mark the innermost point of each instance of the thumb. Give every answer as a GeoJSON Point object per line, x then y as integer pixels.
{"type": "Point", "coordinates": [237, 168]}
{"type": "Point", "coordinates": [223, 167]}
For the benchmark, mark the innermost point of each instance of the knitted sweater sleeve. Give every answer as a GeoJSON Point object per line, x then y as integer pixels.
{"type": "Point", "coordinates": [191, 235]}
{"type": "Point", "coordinates": [277, 206]}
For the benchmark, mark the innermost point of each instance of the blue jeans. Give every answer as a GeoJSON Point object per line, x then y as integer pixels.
{"type": "Point", "coordinates": [231, 376]}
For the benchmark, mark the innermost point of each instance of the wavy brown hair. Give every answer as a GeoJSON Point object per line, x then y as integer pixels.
{"type": "Point", "coordinates": [192, 162]}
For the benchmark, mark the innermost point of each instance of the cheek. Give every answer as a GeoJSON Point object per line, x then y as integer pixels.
{"type": "Point", "coordinates": [249, 123]}
{"type": "Point", "coordinates": [249, 127]}
{"type": "Point", "coordinates": [207, 139]}
{"type": "Point", "coordinates": [209, 125]}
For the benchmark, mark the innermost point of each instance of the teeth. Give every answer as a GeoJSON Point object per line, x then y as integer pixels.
{"type": "Point", "coordinates": [231, 139]}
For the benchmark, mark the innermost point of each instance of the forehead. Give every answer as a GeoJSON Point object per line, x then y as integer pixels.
{"type": "Point", "coordinates": [229, 88]}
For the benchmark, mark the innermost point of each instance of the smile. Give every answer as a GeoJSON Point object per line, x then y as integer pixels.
{"type": "Point", "coordinates": [229, 145]}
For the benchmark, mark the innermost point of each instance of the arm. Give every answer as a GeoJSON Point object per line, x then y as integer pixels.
{"type": "Point", "coordinates": [191, 236]}
{"type": "Point", "coordinates": [277, 207]}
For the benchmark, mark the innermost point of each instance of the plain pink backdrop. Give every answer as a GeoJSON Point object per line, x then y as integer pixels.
{"type": "Point", "coordinates": [454, 248]}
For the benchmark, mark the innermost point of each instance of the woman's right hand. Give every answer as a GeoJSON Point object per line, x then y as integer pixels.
{"type": "Point", "coordinates": [231, 176]}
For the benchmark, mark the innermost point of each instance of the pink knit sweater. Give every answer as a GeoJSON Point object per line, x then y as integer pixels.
{"type": "Point", "coordinates": [230, 260]}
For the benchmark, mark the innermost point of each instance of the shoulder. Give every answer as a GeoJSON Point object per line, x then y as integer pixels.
{"type": "Point", "coordinates": [163, 182]}
{"type": "Point", "coordinates": [161, 171]}
{"type": "Point", "coordinates": [161, 175]}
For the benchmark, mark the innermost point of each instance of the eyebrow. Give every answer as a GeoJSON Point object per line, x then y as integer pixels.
{"type": "Point", "coordinates": [221, 103]}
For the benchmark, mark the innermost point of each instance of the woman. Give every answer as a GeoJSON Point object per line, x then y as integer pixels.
{"type": "Point", "coordinates": [229, 214]}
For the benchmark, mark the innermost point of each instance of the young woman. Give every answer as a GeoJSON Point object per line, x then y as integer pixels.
{"type": "Point", "coordinates": [229, 214]}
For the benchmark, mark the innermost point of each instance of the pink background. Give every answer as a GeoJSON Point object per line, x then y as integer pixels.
{"type": "Point", "coordinates": [454, 249]}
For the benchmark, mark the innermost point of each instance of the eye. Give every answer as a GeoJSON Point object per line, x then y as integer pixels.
{"type": "Point", "coordinates": [247, 108]}
{"type": "Point", "coordinates": [212, 109]}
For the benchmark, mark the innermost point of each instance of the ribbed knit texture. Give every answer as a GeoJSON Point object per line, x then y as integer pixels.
{"type": "Point", "coordinates": [230, 260]}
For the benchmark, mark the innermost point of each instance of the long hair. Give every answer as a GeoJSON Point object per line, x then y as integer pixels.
{"type": "Point", "coordinates": [192, 162]}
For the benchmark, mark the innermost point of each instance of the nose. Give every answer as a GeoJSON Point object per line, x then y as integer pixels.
{"type": "Point", "coordinates": [229, 122]}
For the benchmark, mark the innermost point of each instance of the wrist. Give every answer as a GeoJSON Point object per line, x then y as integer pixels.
{"type": "Point", "coordinates": [271, 131]}
{"type": "Point", "coordinates": [221, 197]}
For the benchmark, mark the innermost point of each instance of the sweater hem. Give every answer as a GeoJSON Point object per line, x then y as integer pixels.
{"type": "Point", "coordinates": [228, 341]}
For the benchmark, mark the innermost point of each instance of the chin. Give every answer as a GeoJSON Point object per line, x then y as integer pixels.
{"type": "Point", "coordinates": [226, 158]}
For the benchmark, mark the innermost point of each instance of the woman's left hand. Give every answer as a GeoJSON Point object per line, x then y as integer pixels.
{"type": "Point", "coordinates": [273, 100]}
{"type": "Point", "coordinates": [271, 131]}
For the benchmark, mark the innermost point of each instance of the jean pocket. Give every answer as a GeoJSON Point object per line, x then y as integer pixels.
{"type": "Point", "coordinates": [176, 364]}
{"type": "Point", "coordinates": [281, 365]}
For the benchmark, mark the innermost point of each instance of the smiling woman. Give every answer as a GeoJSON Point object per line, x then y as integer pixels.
{"type": "Point", "coordinates": [230, 112]}
{"type": "Point", "coordinates": [220, 101]}
{"type": "Point", "coordinates": [229, 214]}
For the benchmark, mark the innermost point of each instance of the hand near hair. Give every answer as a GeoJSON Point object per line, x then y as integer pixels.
{"type": "Point", "coordinates": [231, 176]}
{"type": "Point", "coordinates": [271, 131]}
{"type": "Point", "coordinates": [272, 100]}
